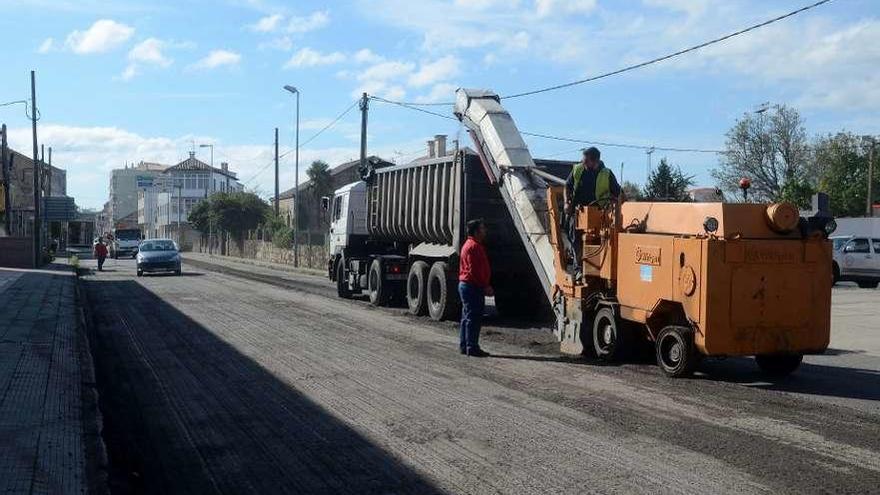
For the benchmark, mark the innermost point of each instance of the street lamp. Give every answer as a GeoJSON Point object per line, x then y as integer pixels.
{"type": "Point", "coordinates": [296, 182]}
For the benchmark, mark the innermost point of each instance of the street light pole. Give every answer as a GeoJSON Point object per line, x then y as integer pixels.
{"type": "Point", "coordinates": [37, 169]}
{"type": "Point", "coordinates": [296, 182]}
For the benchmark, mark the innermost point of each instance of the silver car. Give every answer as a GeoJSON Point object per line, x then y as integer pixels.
{"type": "Point", "coordinates": [857, 259]}
{"type": "Point", "coordinates": [158, 255]}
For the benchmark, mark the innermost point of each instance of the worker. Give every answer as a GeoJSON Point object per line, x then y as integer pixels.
{"type": "Point", "coordinates": [473, 286]}
{"type": "Point", "coordinates": [100, 254]}
{"type": "Point", "coordinates": [589, 183]}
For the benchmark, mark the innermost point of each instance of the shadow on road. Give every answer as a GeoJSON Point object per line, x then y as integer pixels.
{"type": "Point", "coordinates": [187, 412]}
{"type": "Point", "coordinates": [810, 379]}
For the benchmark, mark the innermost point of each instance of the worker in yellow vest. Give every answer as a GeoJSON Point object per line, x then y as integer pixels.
{"type": "Point", "coordinates": [589, 183]}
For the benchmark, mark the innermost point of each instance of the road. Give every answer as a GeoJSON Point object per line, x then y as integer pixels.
{"type": "Point", "coordinates": [212, 383]}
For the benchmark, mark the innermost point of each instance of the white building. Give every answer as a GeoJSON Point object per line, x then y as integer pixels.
{"type": "Point", "coordinates": [183, 185]}
{"type": "Point", "coordinates": [125, 184]}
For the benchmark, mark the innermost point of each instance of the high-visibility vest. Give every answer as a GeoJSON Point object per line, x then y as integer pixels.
{"type": "Point", "coordinates": [603, 183]}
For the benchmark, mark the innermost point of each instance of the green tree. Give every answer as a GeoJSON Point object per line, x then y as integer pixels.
{"type": "Point", "coordinates": [842, 166]}
{"type": "Point", "coordinates": [631, 191]}
{"type": "Point", "coordinates": [667, 183]}
{"type": "Point", "coordinates": [235, 213]}
{"type": "Point", "coordinates": [322, 181]}
{"type": "Point", "coordinates": [772, 150]}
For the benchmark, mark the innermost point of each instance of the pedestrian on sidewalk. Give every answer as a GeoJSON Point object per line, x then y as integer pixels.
{"type": "Point", "coordinates": [473, 286]}
{"type": "Point", "coordinates": [100, 254]}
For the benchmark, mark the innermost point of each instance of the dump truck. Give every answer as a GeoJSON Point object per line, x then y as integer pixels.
{"type": "Point", "coordinates": [693, 280]}
{"type": "Point", "coordinates": [395, 235]}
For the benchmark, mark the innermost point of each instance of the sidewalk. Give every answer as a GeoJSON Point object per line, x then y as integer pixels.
{"type": "Point", "coordinates": [48, 428]}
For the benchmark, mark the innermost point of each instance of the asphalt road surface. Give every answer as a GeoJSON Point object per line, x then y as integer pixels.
{"type": "Point", "coordinates": [214, 383]}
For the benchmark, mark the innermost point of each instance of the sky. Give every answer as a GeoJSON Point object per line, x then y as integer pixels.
{"type": "Point", "coordinates": [129, 80]}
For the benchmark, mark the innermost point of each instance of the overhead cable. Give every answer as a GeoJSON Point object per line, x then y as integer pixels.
{"type": "Point", "coordinates": [671, 55]}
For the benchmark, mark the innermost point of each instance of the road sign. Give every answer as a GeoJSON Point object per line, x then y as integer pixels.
{"type": "Point", "coordinates": [144, 181]}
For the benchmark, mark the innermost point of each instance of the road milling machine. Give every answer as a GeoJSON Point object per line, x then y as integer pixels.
{"type": "Point", "coordinates": [693, 279]}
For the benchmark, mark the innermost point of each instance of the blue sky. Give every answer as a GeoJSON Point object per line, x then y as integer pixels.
{"type": "Point", "coordinates": [125, 81]}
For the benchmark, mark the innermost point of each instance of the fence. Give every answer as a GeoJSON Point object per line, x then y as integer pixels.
{"type": "Point", "coordinates": [313, 248]}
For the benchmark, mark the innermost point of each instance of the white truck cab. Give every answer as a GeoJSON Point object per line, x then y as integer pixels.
{"type": "Point", "coordinates": [348, 216]}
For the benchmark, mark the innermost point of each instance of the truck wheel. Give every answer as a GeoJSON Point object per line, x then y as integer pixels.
{"type": "Point", "coordinates": [443, 303]}
{"type": "Point", "coordinates": [611, 337]}
{"type": "Point", "coordinates": [868, 284]}
{"type": "Point", "coordinates": [779, 365]}
{"type": "Point", "coordinates": [675, 350]}
{"type": "Point", "coordinates": [342, 289]}
{"type": "Point", "coordinates": [416, 288]}
{"type": "Point", "coordinates": [377, 286]}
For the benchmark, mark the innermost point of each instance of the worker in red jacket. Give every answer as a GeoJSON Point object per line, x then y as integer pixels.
{"type": "Point", "coordinates": [473, 286]}
{"type": "Point", "coordinates": [100, 254]}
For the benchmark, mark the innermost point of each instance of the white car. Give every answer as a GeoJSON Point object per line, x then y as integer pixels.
{"type": "Point", "coordinates": [857, 259]}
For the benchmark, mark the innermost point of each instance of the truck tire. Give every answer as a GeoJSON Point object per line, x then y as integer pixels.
{"type": "Point", "coordinates": [676, 354]}
{"type": "Point", "coordinates": [416, 288]}
{"type": "Point", "coordinates": [779, 365]}
{"type": "Point", "coordinates": [443, 302]}
{"type": "Point", "coordinates": [868, 284]}
{"type": "Point", "coordinates": [342, 289]}
{"type": "Point", "coordinates": [612, 339]}
{"type": "Point", "coordinates": [377, 287]}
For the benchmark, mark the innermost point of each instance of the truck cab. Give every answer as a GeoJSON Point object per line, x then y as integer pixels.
{"type": "Point", "coordinates": [125, 242]}
{"type": "Point", "coordinates": [348, 217]}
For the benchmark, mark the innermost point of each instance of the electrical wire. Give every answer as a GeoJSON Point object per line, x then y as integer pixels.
{"type": "Point", "coordinates": [671, 55]}
{"type": "Point", "coordinates": [26, 104]}
{"type": "Point", "coordinates": [411, 107]}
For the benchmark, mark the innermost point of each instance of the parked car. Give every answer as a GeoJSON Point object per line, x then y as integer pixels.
{"type": "Point", "coordinates": [857, 259]}
{"type": "Point", "coordinates": [158, 255]}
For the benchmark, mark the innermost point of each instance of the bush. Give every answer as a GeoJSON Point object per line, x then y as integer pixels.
{"type": "Point", "coordinates": [282, 237]}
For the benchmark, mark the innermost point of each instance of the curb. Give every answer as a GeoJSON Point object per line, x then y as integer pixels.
{"type": "Point", "coordinates": [93, 420]}
{"type": "Point", "coordinates": [264, 264]}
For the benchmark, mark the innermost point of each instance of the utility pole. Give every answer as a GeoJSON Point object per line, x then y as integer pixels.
{"type": "Point", "coordinates": [36, 230]}
{"type": "Point", "coordinates": [4, 162]}
{"type": "Point", "coordinates": [649, 152]}
{"type": "Point", "coordinates": [276, 173]}
{"type": "Point", "coordinates": [296, 190]}
{"type": "Point", "coordinates": [365, 107]}
{"type": "Point", "coordinates": [870, 211]}
{"type": "Point", "coordinates": [49, 175]}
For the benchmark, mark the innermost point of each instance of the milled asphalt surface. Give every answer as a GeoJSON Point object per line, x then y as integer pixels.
{"type": "Point", "coordinates": [213, 383]}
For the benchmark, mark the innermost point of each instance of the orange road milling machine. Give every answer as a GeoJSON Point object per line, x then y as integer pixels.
{"type": "Point", "coordinates": [694, 279]}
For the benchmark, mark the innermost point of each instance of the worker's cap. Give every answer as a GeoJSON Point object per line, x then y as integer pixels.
{"type": "Point", "coordinates": [592, 152]}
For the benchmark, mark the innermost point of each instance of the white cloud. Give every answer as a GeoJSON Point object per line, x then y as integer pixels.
{"type": "Point", "coordinates": [218, 58]}
{"type": "Point", "coordinates": [440, 92]}
{"type": "Point", "coordinates": [439, 70]}
{"type": "Point", "coordinates": [283, 43]}
{"type": "Point", "coordinates": [366, 56]}
{"type": "Point", "coordinates": [147, 52]}
{"type": "Point", "coordinates": [307, 57]}
{"type": "Point", "coordinates": [46, 46]}
{"type": "Point", "coordinates": [311, 22]}
{"type": "Point", "coordinates": [104, 35]}
{"type": "Point", "coordinates": [544, 8]}
{"type": "Point", "coordinates": [267, 24]}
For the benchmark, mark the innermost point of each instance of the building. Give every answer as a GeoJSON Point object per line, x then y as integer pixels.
{"type": "Point", "coordinates": [163, 208]}
{"type": "Point", "coordinates": [125, 183]}
{"type": "Point", "coordinates": [313, 216]}
{"type": "Point", "coordinates": [21, 191]}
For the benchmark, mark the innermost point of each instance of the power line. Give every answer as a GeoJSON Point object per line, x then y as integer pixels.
{"type": "Point", "coordinates": [307, 141]}
{"type": "Point", "coordinates": [411, 107]}
{"type": "Point", "coordinates": [671, 55]}
{"type": "Point", "coordinates": [620, 145]}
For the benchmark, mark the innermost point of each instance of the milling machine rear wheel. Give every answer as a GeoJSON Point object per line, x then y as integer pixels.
{"type": "Point", "coordinates": [416, 288]}
{"type": "Point", "coordinates": [676, 354]}
{"type": "Point", "coordinates": [779, 365]}
{"type": "Point", "coordinates": [611, 337]}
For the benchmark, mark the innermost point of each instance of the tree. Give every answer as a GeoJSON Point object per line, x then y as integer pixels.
{"type": "Point", "coordinates": [235, 213]}
{"type": "Point", "coordinates": [322, 181]}
{"type": "Point", "coordinates": [842, 167]}
{"type": "Point", "coordinates": [667, 183]}
{"type": "Point", "coordinates": [631, 191]}
{"type": "Point", "coordinates": [771, 149]}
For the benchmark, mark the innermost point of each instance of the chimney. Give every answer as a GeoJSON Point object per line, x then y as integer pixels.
{"type": "Point", "coordinates": [224, 167]}
{"type": "Point", "coordinates": [431, 153]}
{"type": "Point", "coordinates": [441, 144]}
{"type": "Point", "coordinates": [192, 154]}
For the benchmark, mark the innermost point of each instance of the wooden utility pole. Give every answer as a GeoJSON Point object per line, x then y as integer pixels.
{"type": "Point", "coordinates": [49, 174]}
{"type": "Point", "coordinates": [870, 210]}
{"type": "Point", "coordinates": [37, 227]}
{"type": "Point", "coordinates": [4, 162]}
{"type": "Point", "coordinates": [365, 104]}
{"type": "Point", "coordinates": [276, 174]}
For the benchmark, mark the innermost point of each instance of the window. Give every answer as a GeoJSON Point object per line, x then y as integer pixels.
{"type": "Point", "coordinates": [876, 245]}
{"type": "Point", "coordinates": [337, 207]}
{"type": "Point", "coordinates": [858, 246]}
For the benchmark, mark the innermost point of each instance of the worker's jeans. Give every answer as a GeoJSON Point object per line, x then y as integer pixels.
{"type": "Point", "coordinates": [101, 262]}
{"type": "Point", "coordinates": [473, 302]}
